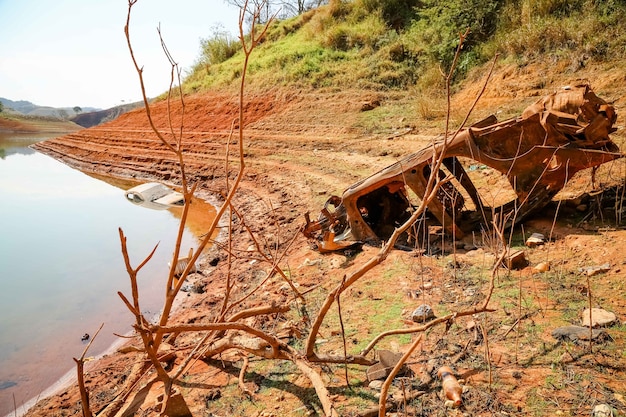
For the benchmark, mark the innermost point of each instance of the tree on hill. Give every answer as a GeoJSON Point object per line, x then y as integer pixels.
{"type": "Point", "coordinates": [77, 109]}
{"type": "Point", "coordinates": [1, 107]}
{"type": "Point", "coordinates": [282, 8]}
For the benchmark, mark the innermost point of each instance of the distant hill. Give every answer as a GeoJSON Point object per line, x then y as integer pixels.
{"type": "Point", "coordinates": [95, 118]}
{"type": "Point", "coordinates": [83, 116]}
{"type": "Point", "coordinates": [27, 108]}
{"type": "Point", "coordinates": [14, 122]}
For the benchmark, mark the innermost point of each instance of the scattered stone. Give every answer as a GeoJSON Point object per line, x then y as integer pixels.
{"type": "Point", "coordinates": [595, 270]}
{"type": "Point", "coordinates": [576, 333]}
{"type": "Point", "coordinates": [427, 286]}
{"type": "Point", "coordinates": [214, 261]}
{"type": "Point", "coordinates": [599, 317]}
{"type": "Point", "coordinates": [85, 337]}
{"type": "Point", "coordinates": [413, 294]}
{"type": "Point", "coordinates": [515, 260]}
{"type": "Point", "coordinates": [376, 371]}
{"type": "Point", "coordinates": [335, 263]}
{"type": "Point", "coordinates": [387, 360]}
{"type": "Point", "coordinates": [376, 384]}
{"type": "Point", "coordinates": [196, 287]}
{"type": "Point", "coordinates": [422, 314]}
{"type": "Point", "coordinates": [602, 410]}
{"type": "Point", "coordinates": [536, 239]}
{"type": "Point", "coordinates": [542, 267]}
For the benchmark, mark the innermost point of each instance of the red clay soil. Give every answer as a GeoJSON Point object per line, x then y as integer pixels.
{"type": "Point", "coordinates": [301, 147]}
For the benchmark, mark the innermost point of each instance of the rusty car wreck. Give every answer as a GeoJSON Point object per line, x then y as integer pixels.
{"type": "Point", "coordinates": [537, 152]}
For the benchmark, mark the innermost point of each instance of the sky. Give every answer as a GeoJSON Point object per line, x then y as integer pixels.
{"type": "Point", "coordinates": [67, 53]}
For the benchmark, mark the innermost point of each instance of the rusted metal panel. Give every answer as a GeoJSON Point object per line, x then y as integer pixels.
{"type": "Point", "coordinates": [538, 152]}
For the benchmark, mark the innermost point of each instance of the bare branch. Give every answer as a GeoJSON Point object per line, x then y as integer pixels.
{"type": "Point", "coordinates": [80, 363]}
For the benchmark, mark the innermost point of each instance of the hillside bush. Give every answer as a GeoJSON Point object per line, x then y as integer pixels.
{"type": "Point", "coordinates": [438, 25]}
{"type": "Point", "coordinates": [560, 29]}
{"type": "Point", "coordinates": [217, 48]}
{"type": "Point", "coordinates": [397, 14]}
{"type": "Point", "coordinates": [354, 33]}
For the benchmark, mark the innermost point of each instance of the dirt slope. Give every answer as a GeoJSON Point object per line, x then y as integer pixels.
{"type": "Point", "coordinates": [303, 146]}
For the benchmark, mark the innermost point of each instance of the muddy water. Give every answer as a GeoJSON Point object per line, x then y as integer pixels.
{"type": "Point", "coordinates": [61, 266]}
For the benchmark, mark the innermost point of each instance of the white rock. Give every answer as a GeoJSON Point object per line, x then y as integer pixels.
{"type": "Point", "coordinates": [599, 317]}
{"type": "Point", "coordinates": [377, 384]}
{"type": "Point", "coordinates": [602, 410]}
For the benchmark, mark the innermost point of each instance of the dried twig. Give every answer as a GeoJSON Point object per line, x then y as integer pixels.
{"type": "Point", "coordinates": [80, 364]}
{"type": "Point", "coordinates": [385, 388]}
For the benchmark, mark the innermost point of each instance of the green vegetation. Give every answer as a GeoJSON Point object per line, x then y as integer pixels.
{"type": "Point", "coordinates": [395, 44]}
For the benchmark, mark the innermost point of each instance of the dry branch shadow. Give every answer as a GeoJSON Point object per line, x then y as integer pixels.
{"type": "Point", "coordinates": [278, 380]}
{"type": "Point", "coordinates": [138, 399]}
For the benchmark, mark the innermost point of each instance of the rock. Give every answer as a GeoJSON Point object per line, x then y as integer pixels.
{"type": "Point", "coordinates": [515, 260]}
{"type": "Point", "coordinates": [542, 267]}
{"type": "Point", "coordinates": [599, 317]}
{"type": "Point", "coordinates": [576, 333]}
{"type": "Point", "coordinates": [422, 314]}
{"type": "Point", "coordinates": [387, 360]}
{"type": "Point", "coordinates": [595, 270]}
{"type": "Point", "coordinates": [376, 384]}
{"type": "Point", "coordinates": [602, 410]}
{"type": "Point", "coordinates": [376, 371]}
{"type": "Point", "coordinates": [535, 239]}
{"type": "Point", "coordinates": [214, 261]}
{"type": "Point", "coordinates": [196, 287]}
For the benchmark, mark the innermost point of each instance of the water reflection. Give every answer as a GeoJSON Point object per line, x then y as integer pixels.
{"type": "Point", "coordinates": [12, 143]}
{"type": "Point", "coordinates": [61, 265]}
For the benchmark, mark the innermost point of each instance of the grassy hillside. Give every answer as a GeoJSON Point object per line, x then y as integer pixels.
{"type": "Point", "coordinates": [400, 44]}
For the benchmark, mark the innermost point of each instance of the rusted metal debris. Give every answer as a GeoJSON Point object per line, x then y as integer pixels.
{"type": "Point", "coordinates": [538, 153]}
